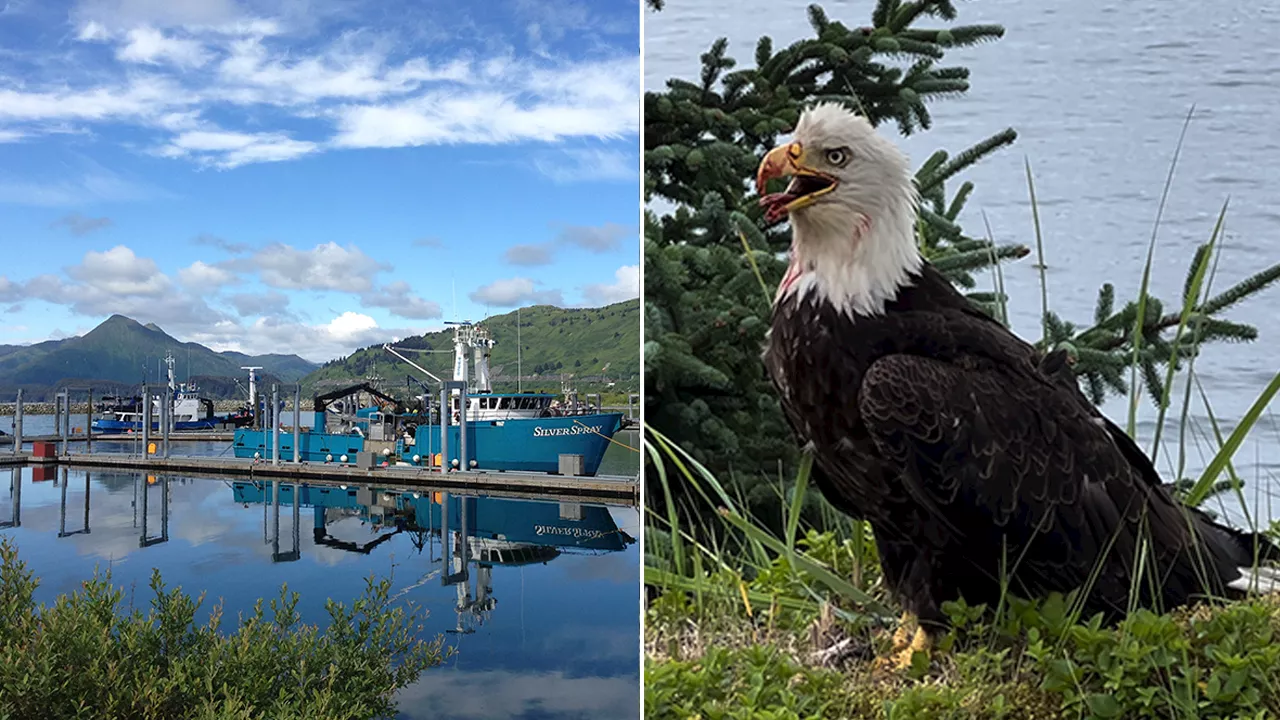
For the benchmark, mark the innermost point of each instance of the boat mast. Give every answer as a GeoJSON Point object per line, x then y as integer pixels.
{"type": "Point", "coordinates": [168, 360]}
{"type": "Point", "coordinates": [461, 335]}
{"type": "Point", "coordinates": [253, 387]}
{"type": "Point", "coordinates": [481, 341]}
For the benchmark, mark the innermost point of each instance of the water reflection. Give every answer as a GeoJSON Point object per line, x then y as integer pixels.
{"type": "Point", "coordinates": [15, 500]}
{"type": "Point", "coordinates": [454, 531]}
{"type": "Point", "coordinates": [538, 597]}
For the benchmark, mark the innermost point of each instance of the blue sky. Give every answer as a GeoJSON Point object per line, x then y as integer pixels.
{"type": "Point", "coordinates": [311, 176]}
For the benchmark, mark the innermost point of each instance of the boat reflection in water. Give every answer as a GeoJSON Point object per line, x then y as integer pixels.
{"type": "Point", "coordinates": [455, 531]}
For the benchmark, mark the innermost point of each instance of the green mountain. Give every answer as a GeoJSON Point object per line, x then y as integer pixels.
{"type": "Point", "coordinates": [120, 352]}
{"type": "Point", "coordinates": [595, 349]}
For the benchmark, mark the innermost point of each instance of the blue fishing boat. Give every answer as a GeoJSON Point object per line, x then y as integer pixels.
{"type": "Point", "coordinates": [519, 432]}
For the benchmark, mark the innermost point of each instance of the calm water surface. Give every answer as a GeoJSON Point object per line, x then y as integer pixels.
{"type": "Point", "coordinates": [1098, 92]}
{"type": "Point", "coordinates": [544, 618]}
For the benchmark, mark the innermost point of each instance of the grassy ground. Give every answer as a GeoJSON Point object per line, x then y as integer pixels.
{"type": "Point", "coordinates": [767, 648]}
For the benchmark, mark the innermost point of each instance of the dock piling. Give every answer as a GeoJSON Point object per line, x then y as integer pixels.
{"type": "Point", "coordinates": [275, 426]}
{"type": "Point", "coordinates": [146, 422]}
{"type": "Point", "coordinates": [59, 409]}
{"type": "Point", "coordinates": [66, 420]}
{"type": "Point", "coordinates": [166, 417]}
{"type": "Point", "coordinates": [462, 428]}
{"type": "Point", "coordinates": [17, 425]}
{"type": "Point", "coordinates": [88, 424]}
{"type": "Point", "coordinates": [444, 428]}
{"type": "Point", "coordinates": [297, 429]}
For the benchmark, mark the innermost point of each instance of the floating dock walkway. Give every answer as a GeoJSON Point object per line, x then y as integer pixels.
{"type": "Point", "coordinates": [183, 436]}
{"type": "Point", "coordinates": [601, 488]}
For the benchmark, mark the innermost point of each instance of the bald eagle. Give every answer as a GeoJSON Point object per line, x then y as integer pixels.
{"type": "Point", "coordinates": [974, 459]}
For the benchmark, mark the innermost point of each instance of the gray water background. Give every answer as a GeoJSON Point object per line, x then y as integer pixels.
{"type": "Point", "coordinates": [1098, 93]}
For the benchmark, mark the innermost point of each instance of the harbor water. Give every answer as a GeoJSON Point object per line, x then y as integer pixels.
{"type": "Point", "coordinates": [547, 628]}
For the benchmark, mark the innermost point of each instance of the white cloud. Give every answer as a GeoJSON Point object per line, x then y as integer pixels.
{"type": "Point", "coordinates": [397, 298]}
{"type": "Point", "coordinates": [228, 150]}
{"type": "Point", "coordinates": [497, 694]}
{"type": "Point", "coordinates": [350, 324]}
{"type": "Point", "coordinates": [626, 285]}
{"type": "Point", "coordinates": [329, 266]}
{"type": "Point", "coordinates": [119, 271]}
{"type": "Point", "coordinates": [181, 61]}
{"type": "Point", "coordinates": [515, 291]}
{"type": "Point", "coordinates": [150, 46]}
{"type": "Point", "coordinates": [271, 334]}
{"type": "Point", "coordinates": [504, 103]}
{"type": "Point", "coordinates": [119, 281]}
{"type": "Point", "coordinates": [202, 277]}
{"type": "Point", "coordinates": [141, 97]}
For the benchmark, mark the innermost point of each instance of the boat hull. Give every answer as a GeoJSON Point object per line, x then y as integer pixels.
{"type": "Point", "coordinates": [123, 426]}
{"type": "Point", "coordinates": [517, 445]}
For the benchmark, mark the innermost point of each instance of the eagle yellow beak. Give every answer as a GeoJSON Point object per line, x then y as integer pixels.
{"type": "Point", "coordinates": [789, 161]}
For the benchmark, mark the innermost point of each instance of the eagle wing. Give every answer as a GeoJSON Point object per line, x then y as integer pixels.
{"type": "Point", "coordinates": [1011, 462]}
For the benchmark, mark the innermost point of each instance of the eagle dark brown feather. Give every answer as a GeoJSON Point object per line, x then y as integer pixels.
{"type": "Point", "coordinates": [972, 462]}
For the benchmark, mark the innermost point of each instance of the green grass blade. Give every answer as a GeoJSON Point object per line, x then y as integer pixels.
{"type": "Point", "coordinates": [1210, 475]}
{"type": "Point", "coordinates": [797, 497]}
{"type": "Point", "coordinates": [833, 582]}
{"type": "Point", "coordinates": [1140, 321]}
{"type": "Point", "coordinates": [1044, 282]}
{"type": "Point", "coordinates": [1188, 307]}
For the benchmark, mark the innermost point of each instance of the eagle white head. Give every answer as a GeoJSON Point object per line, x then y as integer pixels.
{"type": "Point", "coordinates": [852, 202]}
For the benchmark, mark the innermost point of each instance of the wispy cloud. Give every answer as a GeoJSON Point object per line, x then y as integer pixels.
{"type": "Point", "coordinates": [174, 67]}
{"type": "Point", "coordinates": [579, 165]}
{"type": "Point", "coordinates": [510, 292]}
{"type": "Point", "coordinates": [595, 238]}
{"type": "Point", "coordinates": [89, 184]}
{"type": "Point", "coordinates": [79, 225]}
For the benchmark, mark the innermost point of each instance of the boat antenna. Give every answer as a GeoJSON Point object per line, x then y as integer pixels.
{"type": "Point", "coordinates": [454, 280]}
{"type": "Point", "coordinates": [518, 349]}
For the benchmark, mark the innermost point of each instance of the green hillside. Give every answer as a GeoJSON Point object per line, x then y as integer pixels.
{"type": "Point", "coordinates": [119, 353]}
{"type": "Point", "coordinates": [592, 347]}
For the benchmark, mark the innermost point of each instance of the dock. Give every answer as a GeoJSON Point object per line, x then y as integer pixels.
{"type": "Point", "coordinates": [601, 488]}
{"type": "Point", "coordinates": [185, 436]}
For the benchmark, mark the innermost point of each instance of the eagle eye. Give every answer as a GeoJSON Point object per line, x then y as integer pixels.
{"type": "Point", "coordinates": [837, 156]}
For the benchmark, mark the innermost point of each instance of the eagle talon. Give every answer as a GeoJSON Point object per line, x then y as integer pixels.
{"type": "Point", "coordinates": [903, 653]}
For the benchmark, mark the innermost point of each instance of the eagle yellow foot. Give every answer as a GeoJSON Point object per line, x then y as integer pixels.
{"type": "Point", "coordinates": [908, 639]}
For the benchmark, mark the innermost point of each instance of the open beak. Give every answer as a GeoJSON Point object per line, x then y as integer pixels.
{"type": "Point", "coordinates": [807, 184]}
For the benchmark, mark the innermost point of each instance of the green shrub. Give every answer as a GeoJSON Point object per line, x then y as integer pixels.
{"type": "Point", "coordinates": [89, 656]}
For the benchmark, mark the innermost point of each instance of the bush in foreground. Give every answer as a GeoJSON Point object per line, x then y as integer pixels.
{"type": "Point", "coordinates": [89, 656]}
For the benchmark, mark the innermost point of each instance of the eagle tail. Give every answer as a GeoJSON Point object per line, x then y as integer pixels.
{"type": "Point", "coordinates": [1259, 579]}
